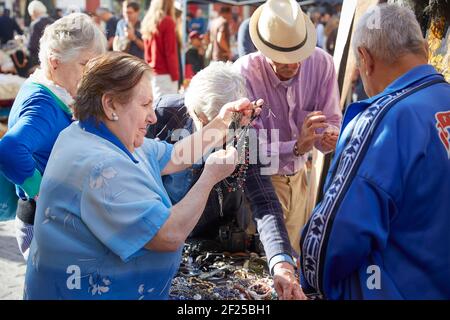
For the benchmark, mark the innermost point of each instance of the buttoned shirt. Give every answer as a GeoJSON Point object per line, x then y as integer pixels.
{"type": "Point", "coordinates": [287, 103]}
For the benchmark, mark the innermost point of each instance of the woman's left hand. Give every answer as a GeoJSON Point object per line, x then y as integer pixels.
{"type": "Point", "coordinates": [246, 108]}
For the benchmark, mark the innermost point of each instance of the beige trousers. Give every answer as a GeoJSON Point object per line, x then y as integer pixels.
{"type": "Point", "coordinates": [292, 194]}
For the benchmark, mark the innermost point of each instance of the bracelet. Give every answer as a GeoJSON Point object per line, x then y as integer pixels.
{"type": "Point", "coordinates": [296, 151]}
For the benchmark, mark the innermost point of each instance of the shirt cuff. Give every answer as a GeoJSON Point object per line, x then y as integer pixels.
{"type": "Point", "coordinates": [31, 185]}
{"type": "Point", "coordinates": [287, 148]}
{"type": "Point", "coordinates": [282, 257]}
{"type": "Point", "coordinates": [137, 236]}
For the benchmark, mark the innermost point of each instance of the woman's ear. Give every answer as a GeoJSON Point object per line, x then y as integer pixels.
{"type": "Point", "coordinates": [108, 107]}
{"type": "Point", "coordinates": [53, 62]}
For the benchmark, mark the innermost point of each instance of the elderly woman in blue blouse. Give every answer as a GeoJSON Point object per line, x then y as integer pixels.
{"type": "Point", "coordinates": [43, 108]}
{"type": "Point", "coordinates": [105, 226]}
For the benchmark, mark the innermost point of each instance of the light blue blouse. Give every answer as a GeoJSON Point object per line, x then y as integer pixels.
{"type": "Point", "coordinates": [98, 207]}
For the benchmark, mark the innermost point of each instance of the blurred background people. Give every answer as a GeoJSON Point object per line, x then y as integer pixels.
{"type": "Point", "coordinates": [110, 21]}
{"type": "Point", "coordinates": [8, 26]}
{"type": "Point", "coordinates": [58, 14]}
{"type": "Point", "coordinates": [128, 35]}
{"type": "Point", "coordinates": [244, 42]}
{"type": "Point", "coordinates": [40, 19]}
{"type": "Point", "coordinates": [199, 23]}
{"type": "Point", "coordinates": [219, 36]}
{"type": "Point", "coordinates": [195, 61]}
{"type": "Point", "coordinates": [180, 44]}
{"type": "Point", "coordinates": [330, 32]}
{"type": "Point", "coordinates": [161, 47]}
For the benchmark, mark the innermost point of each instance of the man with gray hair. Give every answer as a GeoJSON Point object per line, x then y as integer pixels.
{"type": "Point", "coordinates": [110, 24]}
{"type": "Point", "coordinates": [40, 19]}
{"type": "Point", "coordinates": [382, 228]}
{"type": "Point", "coordinates": [226, 210]}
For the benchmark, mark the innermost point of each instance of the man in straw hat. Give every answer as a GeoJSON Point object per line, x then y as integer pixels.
{"type": "Point", "coordinates": [298, 83]}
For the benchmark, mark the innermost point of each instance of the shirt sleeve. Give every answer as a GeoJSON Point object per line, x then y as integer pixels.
{"type": "Point", "coordinates": [328, 99]}
{"type": "Point", "coordinates": [328, 95]}
{"type": "Point", "coordinates": [31, 132]}
{"type": "Point", "coordinates": [275, 149]}
{"type": "Point", "coordinates": [267, 213]}
{"type": "Point", "coordinates": [159, 151]}
{"type": "Point", "coordinates": [31, 42]}
{"type": "Point", "coordinates": [280, 258]}
{"type": "Point", "coordinates": [119, 27]}
{"type": "Point", "coordinates": [17, 27]}
{"type": "Point", "coordinates": [111, 27]}
{"type": "Point", "coordinates": [121, 207]}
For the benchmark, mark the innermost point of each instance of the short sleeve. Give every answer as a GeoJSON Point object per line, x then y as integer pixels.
{"type": "Point", "coordinates": [119, 28]}
{"type": "Point", "coordinates": [159, 151]}
{"type": "Point", "coordinates": [122, 206]}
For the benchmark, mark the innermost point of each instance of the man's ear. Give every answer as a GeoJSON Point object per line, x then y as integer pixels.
{"type": "Point", "coordinates": [426, 49]}
{"type": "Point", "coordinates": [366, 59]}
{"type": "Point", "coordinates": [108, 106]}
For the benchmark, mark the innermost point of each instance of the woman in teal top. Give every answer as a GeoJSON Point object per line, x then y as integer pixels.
{"type": "Point", "coordinates": [43, 108]}
{"type": "Point", "coordinates": [105, 227]}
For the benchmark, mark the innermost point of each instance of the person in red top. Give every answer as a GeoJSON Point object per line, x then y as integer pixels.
{"type": "Point", "coordinates": [160, 43]}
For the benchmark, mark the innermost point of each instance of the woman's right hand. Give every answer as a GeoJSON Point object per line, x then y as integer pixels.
{"type": "Point", "coordinates": [220, 164]}
{"type": "Point", "coordinates": [243, 106]}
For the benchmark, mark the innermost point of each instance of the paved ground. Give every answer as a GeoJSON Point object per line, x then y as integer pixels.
{"type": "Point", "coordinates": [12, 264]}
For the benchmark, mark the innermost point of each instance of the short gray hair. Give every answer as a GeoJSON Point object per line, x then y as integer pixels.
{"type": "Point", "coordinates": [213, 87]}
{"type": "Point", "coordinates": [388, 31]}
{"type": "Point", "coordinates": [37, 7]}
{"type": "Point", "coordinates": [101, 10]}
{"type": "Point", "coordinates": [68, 36]}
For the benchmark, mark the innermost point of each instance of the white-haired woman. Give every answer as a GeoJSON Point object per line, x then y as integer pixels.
{"type": "Point", "coordinates": [160, 46]}
{"type": "Point", "coordinates": [42, 110]}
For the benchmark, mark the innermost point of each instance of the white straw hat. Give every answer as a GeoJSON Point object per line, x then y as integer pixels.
{"type": "Point", "coordinates": [282, 32]}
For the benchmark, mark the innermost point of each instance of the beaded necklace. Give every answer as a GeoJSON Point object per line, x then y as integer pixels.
{"type": "Point", "coordinates": [235, 182]}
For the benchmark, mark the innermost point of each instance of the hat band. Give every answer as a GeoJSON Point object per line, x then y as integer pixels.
{"type": "Point", "coordinates": [282, 49]}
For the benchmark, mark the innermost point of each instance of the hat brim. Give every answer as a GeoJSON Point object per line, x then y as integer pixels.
{"type": "Point", "coordinates": [279, 56]}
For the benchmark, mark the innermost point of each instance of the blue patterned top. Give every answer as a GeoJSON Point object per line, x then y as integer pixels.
{"type": "Point", "coordinates": [98, 207]}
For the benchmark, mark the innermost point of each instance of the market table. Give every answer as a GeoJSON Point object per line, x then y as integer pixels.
{"type": "Point", "coordinates": [206, 273]}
